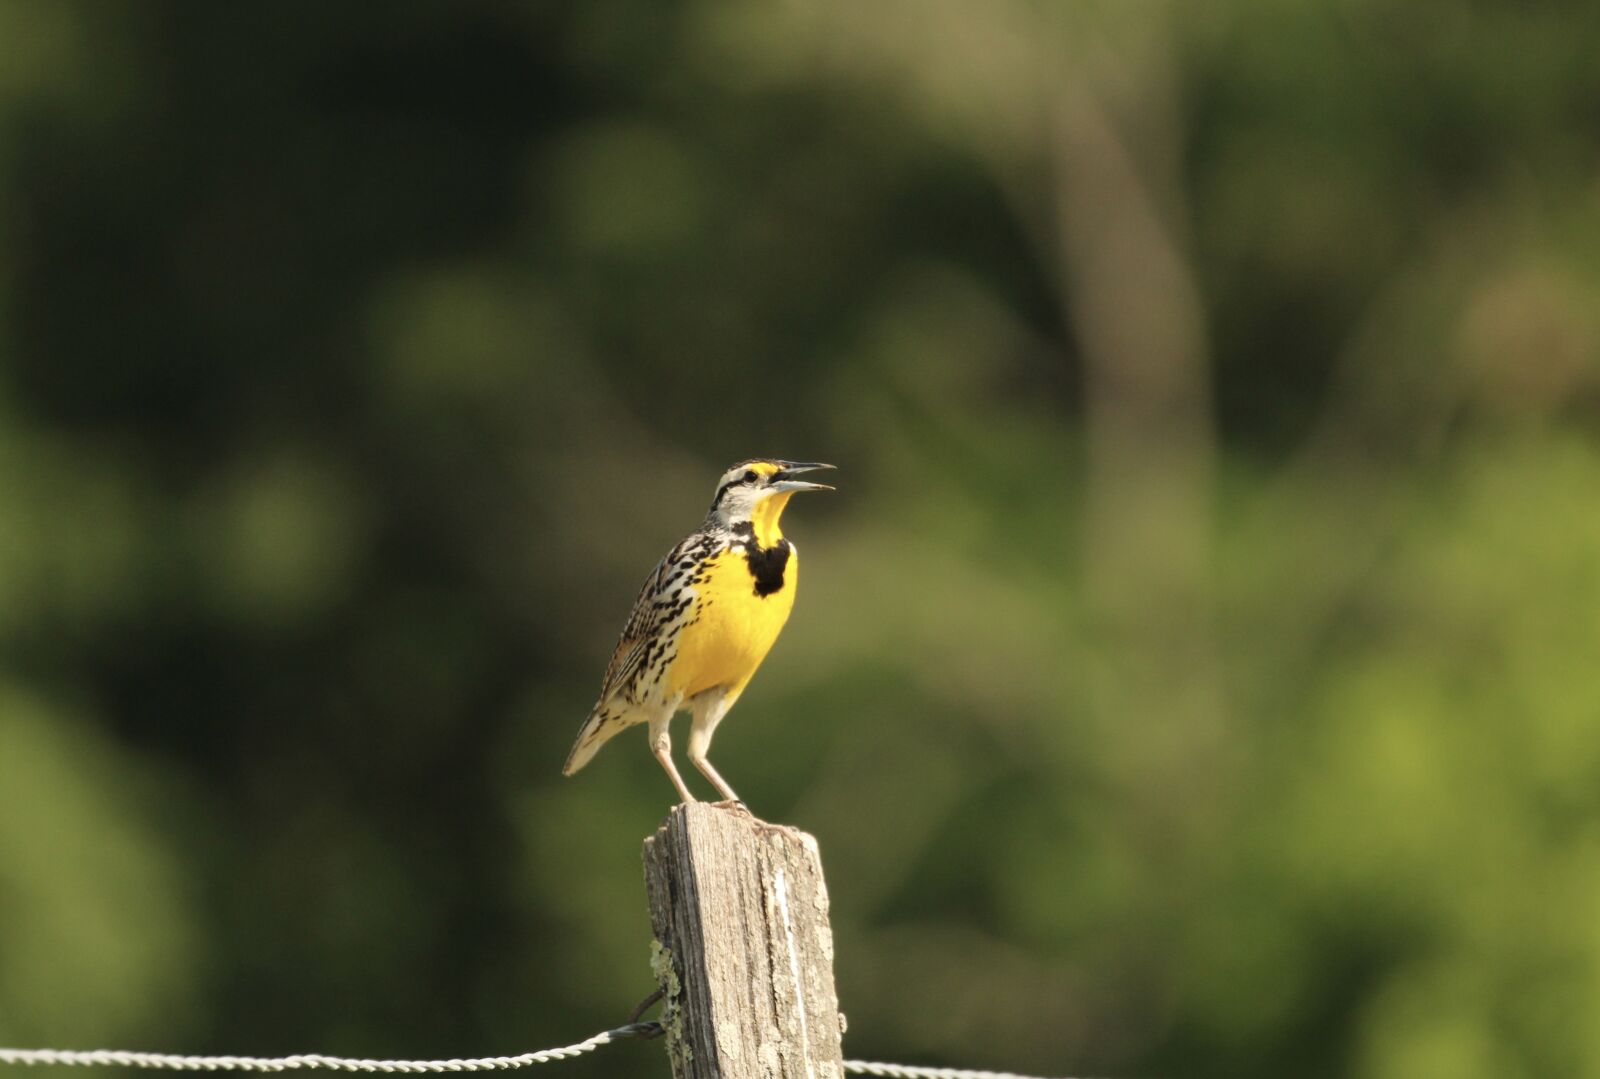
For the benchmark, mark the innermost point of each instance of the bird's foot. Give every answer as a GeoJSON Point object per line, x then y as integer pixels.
{"type": "Point", "coordinates": [735, 804]}
{"type": "Point", "coordinates": [788, 831]}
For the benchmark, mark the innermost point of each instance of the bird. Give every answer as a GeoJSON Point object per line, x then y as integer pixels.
{"type": "Point", "coordinates": [704, 620]}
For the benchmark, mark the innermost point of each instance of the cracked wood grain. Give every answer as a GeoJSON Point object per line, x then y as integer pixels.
{"type": "Point", "coordinates": [743, 951]}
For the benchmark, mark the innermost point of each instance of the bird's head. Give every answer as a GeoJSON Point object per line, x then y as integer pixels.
{"type": "Point", "coordinates": [758, 489]}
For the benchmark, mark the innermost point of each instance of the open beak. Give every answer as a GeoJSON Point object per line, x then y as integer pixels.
{"type": "Point", "coordinates": [782, 480]}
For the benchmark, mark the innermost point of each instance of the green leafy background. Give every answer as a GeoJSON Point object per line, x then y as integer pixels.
{"type": "Point", "coordinates": [1195, 673]}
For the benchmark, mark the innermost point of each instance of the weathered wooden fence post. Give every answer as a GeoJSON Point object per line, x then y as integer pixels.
{"type": "Point", "coordinates": [743, 951]}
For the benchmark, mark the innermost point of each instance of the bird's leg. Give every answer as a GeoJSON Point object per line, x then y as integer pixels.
{"type": "Point", "coordinates": [717, 781]}
{"type": "Point", "coordinates": [661, 746]}
{"type": "Point", "coordinates": [709, 708]}
{"type": "Point", "coordinates": [664, 755]}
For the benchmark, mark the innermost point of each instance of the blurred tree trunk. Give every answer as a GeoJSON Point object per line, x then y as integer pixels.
{"type": "Point", "coordinates": [1137, 312]}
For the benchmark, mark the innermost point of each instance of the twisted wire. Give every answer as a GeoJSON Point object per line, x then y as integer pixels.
{"type": "Point", "coordinates": [908, 1071]}
{"type": "Point", "coordinates": [86, 1058]}
{"type": "Point", "coordinates": [303, 1061]}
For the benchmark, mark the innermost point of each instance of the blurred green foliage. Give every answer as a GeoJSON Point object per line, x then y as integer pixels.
{"type": "Point", "coordinates": [1194, 674]}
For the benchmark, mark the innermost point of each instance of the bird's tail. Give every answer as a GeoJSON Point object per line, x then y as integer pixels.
{"type": "Point", "coordinates": [596, 731]}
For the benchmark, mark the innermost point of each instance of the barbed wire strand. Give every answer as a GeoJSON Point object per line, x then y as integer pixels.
{"type": "Point", "coordinates": [87, 1058]}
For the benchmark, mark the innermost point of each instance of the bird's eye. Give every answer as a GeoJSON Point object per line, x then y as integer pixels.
{"type": "Point", "coordinates": [750, 475]}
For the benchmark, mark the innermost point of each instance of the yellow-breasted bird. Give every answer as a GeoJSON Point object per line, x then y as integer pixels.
{"type": "Point", "coordinates": [704, 621]}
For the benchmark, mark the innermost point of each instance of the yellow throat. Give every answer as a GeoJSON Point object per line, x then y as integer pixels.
{"type": "Point", "coordinates": [764, 519]}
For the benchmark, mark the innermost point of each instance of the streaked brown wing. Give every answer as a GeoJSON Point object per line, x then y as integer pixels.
{"type": "Point", "coordinates": [643, 624]}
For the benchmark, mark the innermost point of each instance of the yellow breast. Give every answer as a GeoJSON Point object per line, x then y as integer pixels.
{"type": "Point", "coordinates": [732, 627]}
